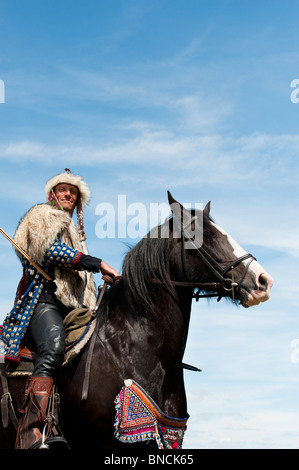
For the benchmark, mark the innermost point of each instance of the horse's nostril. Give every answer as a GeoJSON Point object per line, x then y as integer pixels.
{"type": "Point", "coordinates": [263, 283]}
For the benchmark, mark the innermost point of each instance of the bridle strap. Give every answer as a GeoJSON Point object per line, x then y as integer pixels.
{"type": "Point", "coordinates": [227, 284]}
{"type": "Point", "coordinates": [237, 261]}
{"type": "Point", "coordinates": [201, 285]}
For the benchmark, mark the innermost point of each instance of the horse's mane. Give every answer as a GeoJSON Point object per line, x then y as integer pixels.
{"type": "Point", "coordinates": [147, 260]}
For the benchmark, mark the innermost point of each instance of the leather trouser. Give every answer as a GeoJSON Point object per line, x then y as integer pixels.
{"type": "Point", "coordinates": [47, 332]}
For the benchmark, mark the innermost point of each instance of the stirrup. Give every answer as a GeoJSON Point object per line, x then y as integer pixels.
{"type": "Point", "coordinates": [57, 442]}
{"type": "Point", "coordinates": [53, 442]}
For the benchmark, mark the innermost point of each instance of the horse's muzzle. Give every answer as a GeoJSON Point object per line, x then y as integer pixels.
{"type": "Point", "coordinates": [262, 292]}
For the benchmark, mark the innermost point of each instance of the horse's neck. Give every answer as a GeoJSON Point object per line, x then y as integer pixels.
{"type": "Point", "coordinates": [149, 349]}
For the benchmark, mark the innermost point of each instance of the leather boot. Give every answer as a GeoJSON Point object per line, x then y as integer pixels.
{"type": "Point", "coordinates": [34, 412]}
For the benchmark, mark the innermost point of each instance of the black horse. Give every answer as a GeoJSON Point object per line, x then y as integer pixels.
{"type": "Point", "coordinates": [142, 324]}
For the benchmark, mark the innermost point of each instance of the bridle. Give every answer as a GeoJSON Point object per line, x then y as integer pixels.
{"type": "Point", "coordinates": [229, 284]}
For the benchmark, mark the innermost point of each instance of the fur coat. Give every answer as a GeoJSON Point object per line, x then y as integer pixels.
{"type": "Point", "coordinates": [49, 236]}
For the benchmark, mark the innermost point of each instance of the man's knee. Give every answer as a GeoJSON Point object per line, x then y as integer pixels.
{"type": "Point", "coordinates": [49, 336]}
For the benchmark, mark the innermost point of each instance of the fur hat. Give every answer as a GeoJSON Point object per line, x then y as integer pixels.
{"type": "Point", "coordinates": [84, 192]}
{"type": "Point", "coordinates": [69, 178]}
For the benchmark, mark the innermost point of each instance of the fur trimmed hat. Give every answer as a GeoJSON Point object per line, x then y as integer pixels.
{"type": "Point", "coordinates": [84, 192]}
{"type": "Point", "coordinates": [69, 178]}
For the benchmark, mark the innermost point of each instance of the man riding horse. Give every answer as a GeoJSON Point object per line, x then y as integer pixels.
{"type": "Point", "coordinates": [48, 234]}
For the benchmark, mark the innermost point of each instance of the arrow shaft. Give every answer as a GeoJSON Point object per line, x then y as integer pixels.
{"type": "Point", "coordinates": [20, 250]}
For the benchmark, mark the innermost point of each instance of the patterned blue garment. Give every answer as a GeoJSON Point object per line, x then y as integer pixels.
{"type": "Point", "coordinates": [29, 290]}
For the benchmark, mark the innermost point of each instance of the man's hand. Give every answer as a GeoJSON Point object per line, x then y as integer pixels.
{"type": "Point", "coordinates": [109, 274]}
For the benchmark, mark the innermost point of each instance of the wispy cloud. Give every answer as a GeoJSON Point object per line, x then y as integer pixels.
{"type": "Point", "coordinates": [221, 428]}
{"type": "Point", "coordinates": [252, 165]}
{"type": "Point", "coordinates": [257, 157]}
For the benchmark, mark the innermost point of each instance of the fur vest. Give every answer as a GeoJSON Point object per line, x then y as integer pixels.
{"type": "Point", "coordinates": [37, 231]}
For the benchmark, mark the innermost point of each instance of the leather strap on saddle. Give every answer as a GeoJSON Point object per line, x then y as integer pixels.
{"type": "Point", "coordinates": [7, 409]}
{"type": "Point", "coordinates": [91, 345]}
{"type": "Point", "coordinates": [4, 398]}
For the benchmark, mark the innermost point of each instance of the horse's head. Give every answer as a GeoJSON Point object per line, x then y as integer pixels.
{"type": "Point", "coordinates": [210, 255]}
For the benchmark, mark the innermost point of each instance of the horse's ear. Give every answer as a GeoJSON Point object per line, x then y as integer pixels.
{"type": "Point", "coordinates": [175, 206]}
{"type": "Point", "coordinates": [171, 200]}
{"type": "Point", "coordinates": [181, 216]}
{"type": "Point", "coordinates": [206, 210]}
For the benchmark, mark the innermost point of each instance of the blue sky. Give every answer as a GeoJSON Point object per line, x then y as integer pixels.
{"type": "Point", "coordinates": [140, 97]}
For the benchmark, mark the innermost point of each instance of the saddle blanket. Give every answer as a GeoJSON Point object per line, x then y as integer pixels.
{"type": "Point", "coordinates": [138, 418]}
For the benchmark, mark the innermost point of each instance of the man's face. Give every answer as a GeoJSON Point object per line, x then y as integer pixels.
{"type": "Point", "coordinates": [67, 195]}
